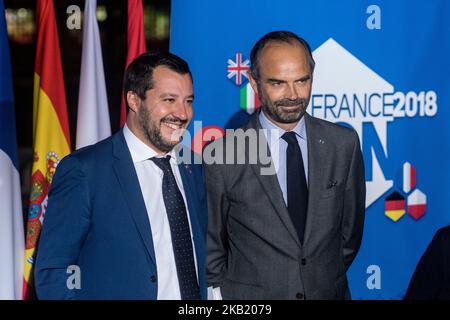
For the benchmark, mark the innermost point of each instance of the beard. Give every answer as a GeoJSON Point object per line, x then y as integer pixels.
{"type": "Point", "coordinates": [274, 109]}
{"type": "Point", "coordinates": [152, 130]}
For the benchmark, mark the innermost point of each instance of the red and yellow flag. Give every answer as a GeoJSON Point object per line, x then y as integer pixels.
{"type": "Point", "coordinates": [51, 138]}
{"type": "Point", "coordinates": [135, 43]}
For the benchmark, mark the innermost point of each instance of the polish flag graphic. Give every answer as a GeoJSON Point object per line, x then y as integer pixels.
{"type": "Point", "coordinates": [417, 204]}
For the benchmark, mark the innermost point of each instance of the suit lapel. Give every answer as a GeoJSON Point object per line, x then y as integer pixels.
{"type": "Point", "coordinates": [126, 174]}
{"type": "Point", "coordinates": [271, 185]}
{"type": "Point", "coordinates": [318, 155]}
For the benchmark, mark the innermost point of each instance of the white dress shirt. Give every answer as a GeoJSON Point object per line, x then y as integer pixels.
{"type": "Point", "coordinates": [150, 180]}
{"type": "Point", "coordinates": [278, 147]}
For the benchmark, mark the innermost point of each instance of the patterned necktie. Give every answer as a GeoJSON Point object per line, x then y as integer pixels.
{"type": "Point", "coordinates": [297, 190]}
{"type": "Point", "coordinates": [179, 229]}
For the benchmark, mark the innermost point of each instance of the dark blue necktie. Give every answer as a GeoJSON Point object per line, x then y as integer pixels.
{"type": "Point", "coordinates": [179, 229]}
{"type": "Point", "coordinates": [297, 190]}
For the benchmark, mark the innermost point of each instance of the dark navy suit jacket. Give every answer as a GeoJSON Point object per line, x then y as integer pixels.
{"type": "Point", "coordinates": [97, 220]}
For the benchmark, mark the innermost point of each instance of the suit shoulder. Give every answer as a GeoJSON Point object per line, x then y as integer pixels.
{"type": "Point", "coordinates": [336, 131]}
{"type": "Point", "coordinates": [443, 235]}
{"type": "Point", "coordinates": [99, 149]}
{"type": "Point", "coordinates": [97, 153]}
{"type": "Point", "coordinates": [335, 127]}
{"type": "Point", "coordinates": [233, 133]}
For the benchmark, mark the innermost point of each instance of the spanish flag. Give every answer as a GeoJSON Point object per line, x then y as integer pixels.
{"type": "Point", "coordinates": [51, 139]}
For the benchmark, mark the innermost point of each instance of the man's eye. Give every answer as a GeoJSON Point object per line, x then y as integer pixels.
{"type": "Point", "coordinates": [275, 84]}
{"type": "Point", "coordinates": [170, 100]}
{"type": "Point", "coordinates": [190, 101]}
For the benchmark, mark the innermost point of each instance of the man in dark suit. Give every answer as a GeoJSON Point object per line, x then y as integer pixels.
{"type": "Point", "coordinates": [290, 227]}
{"type": "Point", "coordinates": [431, 279]}
{"type": "Point", "coordinates": [126, 219]}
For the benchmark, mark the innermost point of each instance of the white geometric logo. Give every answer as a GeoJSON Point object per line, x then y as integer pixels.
{"type": "Point", "coordinates": [346, 90]}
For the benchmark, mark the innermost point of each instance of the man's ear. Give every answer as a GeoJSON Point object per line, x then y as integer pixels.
{"type": "Point", "coordinates": [252, 82]}
{"type": "Point", "coordinates": [133, 101]}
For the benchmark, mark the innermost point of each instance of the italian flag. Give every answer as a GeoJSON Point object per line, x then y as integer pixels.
{"type": "Point", "coordinates": [409, 177]}
{"type": "Point", "coordinates": [249, 99]}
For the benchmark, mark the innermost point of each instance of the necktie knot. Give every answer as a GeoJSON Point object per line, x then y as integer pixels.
{"type": "Point", "coordinates": [290, 137]}
{"type": "Point", "coordinates": [162, 163]}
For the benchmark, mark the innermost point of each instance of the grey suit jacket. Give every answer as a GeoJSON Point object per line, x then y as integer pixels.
{"type": "Point", "coordinates": [253, 248]}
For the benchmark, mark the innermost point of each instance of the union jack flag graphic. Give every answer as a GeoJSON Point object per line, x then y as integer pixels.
{"type": "Point", "coordinates": [238, 69]}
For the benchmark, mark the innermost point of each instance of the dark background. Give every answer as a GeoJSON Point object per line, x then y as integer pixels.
{"type": "Point", "coordinates": [113, 32]}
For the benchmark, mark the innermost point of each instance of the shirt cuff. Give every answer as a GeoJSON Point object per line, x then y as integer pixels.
{"type": "Point", "coordinates": [214, 293]}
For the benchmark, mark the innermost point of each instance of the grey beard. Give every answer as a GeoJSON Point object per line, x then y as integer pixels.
{"type": "Point", "coordinates": [276, 113]}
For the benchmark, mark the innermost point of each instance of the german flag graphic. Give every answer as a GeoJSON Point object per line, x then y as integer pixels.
{"type": "Point", "coordinates": [394, 206]}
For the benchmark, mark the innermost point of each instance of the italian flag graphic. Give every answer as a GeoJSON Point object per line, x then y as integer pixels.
{"type": "Point", "coordinates": [249, 99]}
{"type": "Point", "coordinates": [409, 177]}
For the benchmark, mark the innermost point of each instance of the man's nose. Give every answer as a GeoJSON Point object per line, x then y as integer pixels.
{"type": "Point", "coordinates": [292, 92]}
{"type": "Point", "coordinates": [181, 110]}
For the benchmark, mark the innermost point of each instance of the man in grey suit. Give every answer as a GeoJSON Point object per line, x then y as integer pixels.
{"type": "Point", "coordinates": [290, 227]}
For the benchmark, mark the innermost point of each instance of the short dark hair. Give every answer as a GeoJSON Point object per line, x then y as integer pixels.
{"type": "Point", "coordinates": [139, 74]}
{"type": "Point", "coordinates": [277, 36]}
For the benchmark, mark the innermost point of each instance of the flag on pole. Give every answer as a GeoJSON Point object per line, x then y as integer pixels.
{"type": "Point", "coordinates": [11, 217]}
{"type": "Point", "coordinates": [93, 122]}
{"type": "Point", "coordinates": [135, 42]}
{"type": "Point", "coordinates": [51, 139]}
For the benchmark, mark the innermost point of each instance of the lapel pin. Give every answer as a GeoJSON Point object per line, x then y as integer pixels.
{"type": "Point", "coordinates": [321, 141]}
{"type": "Point", "coordinates": [332, 183]}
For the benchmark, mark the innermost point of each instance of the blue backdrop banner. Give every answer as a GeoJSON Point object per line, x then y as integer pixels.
{"type": "Point", "coordinates": [383, 68]}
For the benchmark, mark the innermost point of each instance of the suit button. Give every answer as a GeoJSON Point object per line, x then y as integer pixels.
{"type": "Point", "coordinates": [299, 296]}
{"type": "Point", "coordinates": [303, 261]}
{"type": "Point", "coordinates": [153, 279]}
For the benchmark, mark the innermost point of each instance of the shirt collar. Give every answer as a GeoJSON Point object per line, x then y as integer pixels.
{"type": "Point", "coordinates": [299, 129]}
{"type": "Point", "coordinates": [139, 150]}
